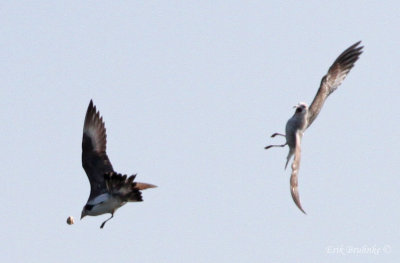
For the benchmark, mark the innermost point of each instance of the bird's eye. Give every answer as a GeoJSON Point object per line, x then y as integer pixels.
{"type": "Point", "coordinates": [299, 110]}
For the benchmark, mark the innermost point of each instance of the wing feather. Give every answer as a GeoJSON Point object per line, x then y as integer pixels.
{"type": "Point", "coordinates": [95, 161]}
{"type": "Point", "coordinates": [295, 170]}
{"type": "Point", "coordinates": [335, 76]}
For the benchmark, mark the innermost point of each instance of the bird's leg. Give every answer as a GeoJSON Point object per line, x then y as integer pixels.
{"type": "Point", "coordinates": [276, 133]}
{"type": "Point", "coordinates": [280, 145]}
{"type": "Point", "coordinates": [102, 225]}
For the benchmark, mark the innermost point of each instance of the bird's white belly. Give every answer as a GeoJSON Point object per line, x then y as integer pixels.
{"type": "Point", "coordinates": [105, 205]}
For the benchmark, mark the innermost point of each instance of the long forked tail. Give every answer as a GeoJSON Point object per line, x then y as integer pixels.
{"type": "Point", "coordinates": [290, 154]}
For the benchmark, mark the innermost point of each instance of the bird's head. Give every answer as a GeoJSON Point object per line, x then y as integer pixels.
{"type": "Point", "coordinates": [84, 212]}
{"type": "Point", "coordinates": [301, 108]}
{"type": "Point", "coordinates": [87, 210]}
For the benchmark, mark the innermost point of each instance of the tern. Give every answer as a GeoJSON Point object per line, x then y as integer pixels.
{"type": "Point", "coordinates": [304, 116]}
{"type": "Point", "coordinates": [108, 190]}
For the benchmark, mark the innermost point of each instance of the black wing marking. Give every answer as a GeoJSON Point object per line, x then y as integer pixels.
{"type": "Point", "coordinates": [94, 157]}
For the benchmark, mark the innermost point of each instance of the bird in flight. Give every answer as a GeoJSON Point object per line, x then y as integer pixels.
{"type": "Point", "coordinates": [108, 190]}
{"type": "Point", "coordinates": [304, 115]}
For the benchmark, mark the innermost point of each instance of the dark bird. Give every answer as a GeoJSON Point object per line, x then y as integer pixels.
{"type": "Point", "coordinates": [108, 189]}
{"type": "Point", "coordinates": [304, 115]}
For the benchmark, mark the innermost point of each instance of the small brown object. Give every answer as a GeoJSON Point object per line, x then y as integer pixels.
{"type": "Point", "coordinates": [70, 220]}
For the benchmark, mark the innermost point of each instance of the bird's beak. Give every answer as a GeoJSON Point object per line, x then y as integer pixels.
{"type": "Point", "coordinates": [82, 216]}
{"type": "Point", "coordinates": [295, 106]}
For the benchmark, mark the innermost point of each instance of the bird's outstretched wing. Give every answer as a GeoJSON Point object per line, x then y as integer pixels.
{"type": "Point", "coordinates": [295, 170]}
{"type": "Point", "coordinates": [335, 76]}
{"type": "Point", "coordinates": [94, 157]}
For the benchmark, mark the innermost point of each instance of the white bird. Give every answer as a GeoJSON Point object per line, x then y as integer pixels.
{"type": "Point", "coordinates": [108, 189]}
{"type": "Point", "coordinates": [304, 115]}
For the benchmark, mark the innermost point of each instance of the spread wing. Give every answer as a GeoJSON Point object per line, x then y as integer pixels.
{"type": "Point", "coordinates": [295, 170]}
{"type": "Point", "coordinates": [335, 76]}
{"type": "Point", "coordinates": [94, 157]}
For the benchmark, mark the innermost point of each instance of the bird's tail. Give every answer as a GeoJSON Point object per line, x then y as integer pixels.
{"type": "Point", "coordinates": [125, 188]}
{"type": "Point", "coordinates": [144, 186]}
{"type": "Point", "coordinates": [290, 154]}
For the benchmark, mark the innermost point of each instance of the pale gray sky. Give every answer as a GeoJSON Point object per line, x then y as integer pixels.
{"type": "Point", "coordinates": [190, 92]}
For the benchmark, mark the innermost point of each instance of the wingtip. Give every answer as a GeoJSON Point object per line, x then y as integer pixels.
{"type": "Point", "coordinates": [296, 199]}
{"type": "Point", "coordinates": [302, 210]}
{"type": "Point", "coordinates": [356, 45]}
{"type": "Point", "coordinates": [91, 107]}
{"type": "Point", "coordinates": [90, 113]}
{"type": "Point", "coordinates": [357, 48]}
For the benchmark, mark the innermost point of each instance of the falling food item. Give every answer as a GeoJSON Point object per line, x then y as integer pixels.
{"type": "Point", "coordinates": [70, 220]}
